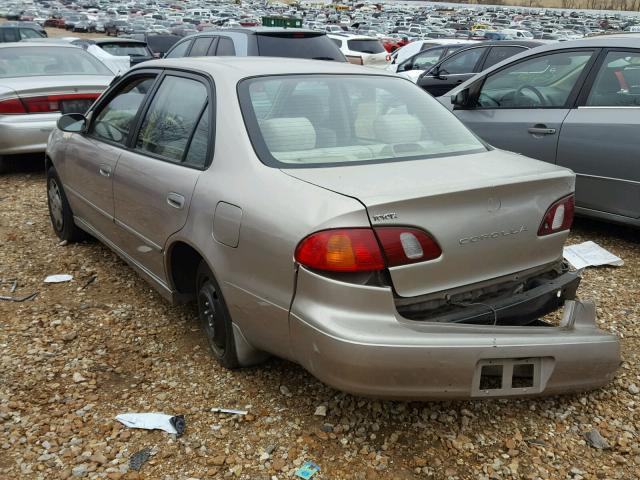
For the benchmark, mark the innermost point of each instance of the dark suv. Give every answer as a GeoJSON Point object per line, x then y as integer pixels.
{"type": "Point", "coordinates": [16, 33]}
{"type": "Point", "coordinates": [258, 41]}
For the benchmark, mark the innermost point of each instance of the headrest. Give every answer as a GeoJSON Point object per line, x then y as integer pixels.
{"type": "Point", "coordinates": [288, 134]}
{"type": "Point", "coordinates": [397, 128]}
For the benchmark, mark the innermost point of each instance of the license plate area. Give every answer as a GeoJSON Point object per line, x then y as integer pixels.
{"type": "Point", "coordinates": [75, 106]}
{"type": "Point", "coordinates": [508, 376]}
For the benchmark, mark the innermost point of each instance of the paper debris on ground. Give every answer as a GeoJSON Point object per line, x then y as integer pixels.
{"type": "Point", "coordinates": [590, 254]}
{"type": "Point", "coordinates": [62, 277]}
{"type": "Point", "coordinates": [307, 470]}
{"type": "Point", "coordinates": [153, 421]}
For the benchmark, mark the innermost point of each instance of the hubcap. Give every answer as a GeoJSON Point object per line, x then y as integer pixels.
{"type": "Point", "coordinates": [55, 205]}
{"type": "Point", "coordinates": [212, 321]}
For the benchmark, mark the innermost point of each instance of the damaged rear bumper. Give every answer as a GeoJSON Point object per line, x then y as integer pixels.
{"type": "Point", "coordinates": [351, 337]}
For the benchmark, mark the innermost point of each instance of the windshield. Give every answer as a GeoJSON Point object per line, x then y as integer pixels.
{"type": "Point", "coordinates": [299, 45]}
{"type": "Point", "coordinates": [317, 120]}
{"type": "Point", "coordinates": [366, 46]}
{"type": "Point", "coordinates": [37, 61]}
{"type": "Point", "coordinates": [122, 49]}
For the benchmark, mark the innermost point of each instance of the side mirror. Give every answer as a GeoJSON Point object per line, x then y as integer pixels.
{"type": "Point", "coordinates": [72, 122]}
{"type": "Point", "coordinates": [405, 67]}
{"type": "Point", "coordinates": [460, 100]}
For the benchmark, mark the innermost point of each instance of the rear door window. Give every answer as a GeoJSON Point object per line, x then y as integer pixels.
{"type": "Point", "coordinates": [29, 33]}
{"type": "Point", "coordinates": [171, 118]}
{"type": "Point", "coordinates": [463, 62]}
{"type": "Point", "coordinates": [498, 54]}
{"type": "Point", "coordinates": [299, 45]}
{"type": "Point", "coordinates": [618, 81]}
{"type": "Point", "coordinates": [225, 47]}
{"type": "Point", "coordinates": [10, 35]}
{"type": "Point", "coordinates": [200, 47]}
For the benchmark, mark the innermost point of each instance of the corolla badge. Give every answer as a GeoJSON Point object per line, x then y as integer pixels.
{"type": "Point", "coordinates": [492, 235]}
{"type": "Point", "coordinates": [385, 216]}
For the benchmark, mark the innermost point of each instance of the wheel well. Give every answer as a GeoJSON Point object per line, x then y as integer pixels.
{"type": "Point", "coordinates": [47, 163]}
{"type": "Point", "coordinates": [184, 262]}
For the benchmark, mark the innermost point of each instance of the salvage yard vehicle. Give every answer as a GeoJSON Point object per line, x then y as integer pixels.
{"type": "Point", "coordinates": [574, 104]}
{"type": "Point", "coordinates": [38, 82]}
{"type": "Point", "coordinates": [336, 217]}
{"type": "Point", "coordinates": [362, 50]}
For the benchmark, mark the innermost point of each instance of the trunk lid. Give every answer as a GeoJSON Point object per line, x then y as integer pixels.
{"type": "Point", "coordinates": [62, 84]}
{"type": "Point", "coordinates": [483, 209]}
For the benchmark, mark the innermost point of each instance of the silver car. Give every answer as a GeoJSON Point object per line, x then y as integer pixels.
{"type": "Point", "coordinates": [574, 104]}
{"type": "Point", "coordinates": [38, 82]}
{"type": "Point", "coordinates": [337, 218]}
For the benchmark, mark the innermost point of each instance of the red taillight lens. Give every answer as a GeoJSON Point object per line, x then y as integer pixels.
{"type": "Point", "coordinates": [388, 58]}
{"type": "Point", "coordinates": [403, 245]}
{"type": "Point", "coordinates": [559, 217]}
{"type": "Point", "coordinates": [42, 104]}
{"type": "Point", "coordinates": [11, 106]}
{"type": "Point", "coordinates": [341, 250]}
{"type": "Point", "coordinates": [52, 103]}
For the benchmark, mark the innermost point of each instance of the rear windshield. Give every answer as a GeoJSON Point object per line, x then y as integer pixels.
{"type": "Point", "coordinates": [366, 46]}
{"type": "Point", "coordinates": [38, 61]}
{"type": "Point", "coordinates": [319, 120]}
{"type": "Point", "coordinates": [299, 45]}
{"type": "Point", "coordinates": [122, 49]}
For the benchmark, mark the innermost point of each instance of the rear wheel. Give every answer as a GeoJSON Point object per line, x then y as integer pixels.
{"type": "Point", "coordinates": [60, 211]}
{"type": "Point", "coordinates": [215, 319]}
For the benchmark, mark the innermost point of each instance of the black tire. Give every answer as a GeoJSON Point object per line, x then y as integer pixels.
{"type": "Point", "coordinates": [4, 167]}
{"type": "Point", "coordinates": [215, 319]}
{"type": "Point", "coordinates": [59, 210]}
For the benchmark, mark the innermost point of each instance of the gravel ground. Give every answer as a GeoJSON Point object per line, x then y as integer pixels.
{"type": "Point", "coordinates": [80, 353]}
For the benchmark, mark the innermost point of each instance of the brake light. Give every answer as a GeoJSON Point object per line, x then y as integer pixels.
{"type": "Point", "coordinates": [388, 58]}
{"type": "Point", "coordinates": [341, 250]}
{"type": "Point", "coordinates": [403, 245]}
{"type": "Point", "coordinates": [11, 106]}
{"type": "Point", "coordinates": [559, 216]}
{"type": "Point", "coordinates": [41, 104]}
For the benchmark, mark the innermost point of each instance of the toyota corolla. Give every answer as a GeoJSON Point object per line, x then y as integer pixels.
{"type": "Point", "coordinates": [336, 217]}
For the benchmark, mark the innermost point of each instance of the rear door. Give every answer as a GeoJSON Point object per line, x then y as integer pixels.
{"type": "Point", "coordinates": [452, 71]}
{"type": "Point", "coordinates": [599, 139]}
{"type": "Point", "coordinates": [155, 178]}
{"type": "Point", "coordinates": [521, 107]}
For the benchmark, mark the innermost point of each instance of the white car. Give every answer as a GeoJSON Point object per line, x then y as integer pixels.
{"type": "Point", "coordinates": [361, 49]}
{"type": "Point", "coordinates": [412, 48]}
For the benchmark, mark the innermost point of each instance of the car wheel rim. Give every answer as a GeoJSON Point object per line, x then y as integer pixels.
{"type": "Point", "coordinates": [211, 319]}
{"type": "Point", "coordinates": [55, 205]}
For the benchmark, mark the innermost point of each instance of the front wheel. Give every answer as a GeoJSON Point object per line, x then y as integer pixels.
{"type": "Point", "coordinates": [215, 319]}
{"type": "Point", "coordinates": [60, 211]}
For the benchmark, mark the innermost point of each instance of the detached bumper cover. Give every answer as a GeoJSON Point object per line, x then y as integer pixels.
{"type": "Point", "coordinates": [351, 338]}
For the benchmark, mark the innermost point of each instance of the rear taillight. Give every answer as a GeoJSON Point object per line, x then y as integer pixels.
{"type": "Point", "coordinates": [341, 250]}
{"type": "Point", "coordinates": [403, 245]}
{"type": "Point", "coordinates": [12, 106]}
{"type": "Point", "coordinates": [559, 216]}
{"type": "Point", "coordinates": [42, 104]}
{"type": "Point", "coordinates": [362, 250]}
{"type": "Point", "coordinates": [388, 58]}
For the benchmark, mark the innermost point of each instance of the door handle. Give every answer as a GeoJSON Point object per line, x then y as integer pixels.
{"type": "Point", "coordinates": [541, 130]}
{"type": "Point", "coordinates": [175, 200]}
{"type": "Point", "coordinates": [105, 170]}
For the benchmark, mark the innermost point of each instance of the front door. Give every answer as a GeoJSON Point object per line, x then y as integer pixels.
{"type": "Point", "coordinates": [600, 139]}
{"type": "Point", "coordinates": [452, 71]}
{"type": "Point", "coordinates": [154, 180]}
{"type": "Point", "coordinates": [521, 107]}
{"type": "Point", "coordinates": [91, 157]}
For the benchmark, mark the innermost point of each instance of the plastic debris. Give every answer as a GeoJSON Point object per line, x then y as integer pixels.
{"type": "Point", "coordinates": [321, 411]}
{"type": "Point", "coordinates": [307, 470]}
{"type": "Point", "coordinates": [232, 411]}
{"type": "Point", "coordinates": [590, 254]}
{"type": "Point", "coordinates": [138, 459]}
{"type": "Point", "coordinates": [59, 278]}
{"type": "Point", "coordinates": [19, 299]}
{"type": "Point", "coordinates": [174, 424]}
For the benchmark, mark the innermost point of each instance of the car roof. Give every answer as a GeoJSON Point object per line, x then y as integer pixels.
{"type": "Point", "coordinates": [508, 43]}
{"type": "Point", "coordinates": [255, 31]}
{"type": "Point", "coordinates": [237, 68]}
{"type": "Point", "coordinates": [118, 40]}
{"type": "Point", "coordinates": [351, 36]}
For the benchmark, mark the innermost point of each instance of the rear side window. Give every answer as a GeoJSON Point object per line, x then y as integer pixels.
{"type": "Point", "coordinates": [29, 33]}
{"type": "Point", "coordinates": [114, 121]}
{"type": "Point", "coordinates": [200, 47]}
{"type": "Point", "coordinates": [197, 153]}
{"type": "Point", "coordinates": [9, 35]}
{"type": "Point", "coordinates": [498, 54]}
{"type": "Point", "coordinates": [299, 45]}
{"type": "Point", "coordinates": [617, 83]}
{"type": "Point", "coordinates": [365, 46]}
{"type": "Point", "coordinates": [225, 47]}
{"type": "Point", "coordinates": [172, 118]}
{"type": "Point", "coordinates": [180, 50]}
